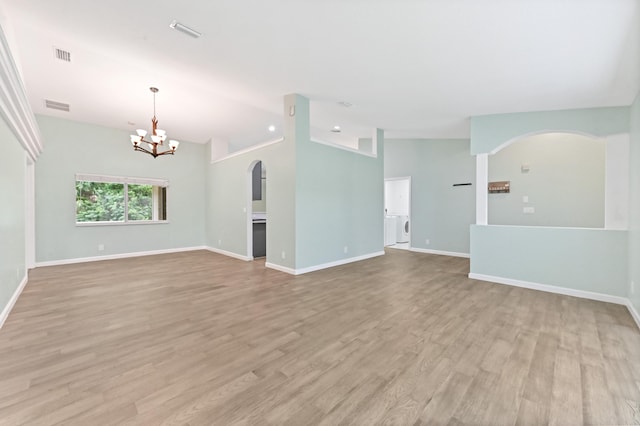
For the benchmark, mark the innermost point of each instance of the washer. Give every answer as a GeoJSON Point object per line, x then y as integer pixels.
{"type": "Point", "coordinates": [402, 235]}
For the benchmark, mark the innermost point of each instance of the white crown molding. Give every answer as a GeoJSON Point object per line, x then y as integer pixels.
{"type": "Point", "coordinates": [439, 252]}
{"type": "Point", "coordinates": [117, 256]}
{"type": "Point", "coordinates": [14, 298]}
{"type": "Point", "coordinates": [14, 106]}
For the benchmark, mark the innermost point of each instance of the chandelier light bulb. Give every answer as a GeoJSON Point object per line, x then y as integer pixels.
{"type": "Point", "coordinates": [158, 136]}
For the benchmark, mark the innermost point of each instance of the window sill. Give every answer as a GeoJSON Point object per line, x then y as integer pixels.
{"type": "Point", "coordinates": [129, 223]}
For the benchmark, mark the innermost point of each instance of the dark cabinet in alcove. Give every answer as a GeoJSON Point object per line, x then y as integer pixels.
{"type": "Point", "coordinates": [256, 181]}
{"type": "Point", "coordinates": [259, 239]}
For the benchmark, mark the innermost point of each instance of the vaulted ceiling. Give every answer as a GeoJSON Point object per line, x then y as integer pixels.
{"type": "Point", "coordinates": [416, 68]}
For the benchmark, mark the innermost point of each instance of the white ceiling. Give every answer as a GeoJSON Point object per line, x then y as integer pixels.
{"type": "Point", "coordinates": [416, 68]}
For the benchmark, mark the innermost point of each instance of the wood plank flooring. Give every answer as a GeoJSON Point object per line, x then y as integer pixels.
{"type": "Point", "coordinates": [406, 339]}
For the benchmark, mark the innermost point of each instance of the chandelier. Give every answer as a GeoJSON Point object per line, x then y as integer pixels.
{"type": "Point", "coordinates": [158, 136]}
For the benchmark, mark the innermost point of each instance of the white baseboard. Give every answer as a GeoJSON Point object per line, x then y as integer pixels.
{"type": "Point", "coordinates": [338, 262]}
{"type": "Point", "coordinates": [117, 256]}
{"type": "Point", "coordinates": [553, 289]}
{"type": "Point", "coordinates": [14, 298]}
{"type": "Point", "coordinates": [439, 252]}
{"type": "Point", "coordinates": [229, 253]}
{"type": "Point", "coordinates": [323, 265]}
{"type": "Point", "coordinates": [633, 312]}
{"type": "Point", "coordinates": [280, 268]}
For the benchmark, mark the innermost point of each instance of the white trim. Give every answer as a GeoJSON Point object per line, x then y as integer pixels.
{"type": "Point", "coordinates": [439, 252]}
{"type": "Point", "coordinates": [482, 193]}
{"type": "Point", "coordinates": [322, 265]}
{"type": "Point", "coordinates": [338, 262]}
{"type": "Point", "coordinates": [14, 104]}
{"type": "Point", "coordinates": [346, 148]}
{"type": "Point", "coordinates": [123, 223]}
{"type": "Point", "coordinates": [7, 309]}
{"type": "Point", "coordinates": [552, 289]}
{"type": "Point", "coordinates": [246, 150]}
{"type": "Point", "coordinates": [634, 314]}
{"type": "Point", "coordinates": [88, 177]}
{"type": "Point", "coordinates": [117, 256]}
{"type": "Point", "coordinates": [30, 214]}
{"type": "Point", "coordinates": [280, 268]}
{"type": "Point", "coordinates": [229, 253]}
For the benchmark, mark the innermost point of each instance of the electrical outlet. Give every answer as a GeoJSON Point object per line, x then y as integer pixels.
{"type": "Point", "coordinates": [100, 247]}
{"type": "Point", "coordinates": [18, 273]}
{"type": "Point", "coordinates": [427, 242]}
{"type": "Point", "coordinates": [284, 255]}
{"type": "Point", "coordinates": [219, 243]}
{"type": "Point", "coordinates": [528, 210]}
{"type": "Point", "coordinates": [632, 289]}
{"type": "Point", "coordinates": [346, 249]}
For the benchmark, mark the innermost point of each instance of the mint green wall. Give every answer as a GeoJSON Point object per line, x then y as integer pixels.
{"type": "Point", "coordinates": [592, 260]}
{"type": "Point", "coordinates": [320, 198]}
{"type": "Point", "coordinates": [634, 204]}
{"type": "Point", "coordinates": [565, 181]}
{"type": "Point", "coordinates": [489, 132]}
{"type": "Point", "coordinates": [72, 147]}
{"type": "Point", "coordinates": [440, 212]}
{"type": "Point", "coordinates": [596, 258]}
{"type": "Point", "coordinates": [339, 203]}
{"type": "Point", "coordinates": [12, 214]}
{"type": "Point", "coordinates": [228, 196]}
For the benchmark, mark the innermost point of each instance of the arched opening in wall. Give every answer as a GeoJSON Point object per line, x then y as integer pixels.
{"type": "Point", "coordinates": [257, 210]}
{"type": "Point", "coordinates": [554, 179]}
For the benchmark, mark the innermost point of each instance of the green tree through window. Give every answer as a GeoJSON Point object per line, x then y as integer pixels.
{"type": "Point", "coordinates": [106, 202]}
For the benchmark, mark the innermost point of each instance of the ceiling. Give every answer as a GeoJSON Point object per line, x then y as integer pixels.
{"type": "Point", "coordinates": [416, 68]}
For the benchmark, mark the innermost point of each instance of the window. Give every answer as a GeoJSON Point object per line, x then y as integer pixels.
{"type": "Point", "coordinates": [112, 199]}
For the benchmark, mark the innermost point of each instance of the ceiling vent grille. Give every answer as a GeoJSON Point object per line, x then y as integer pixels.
{"type": "Point", "coordinates": [60, 106]}
{"type": "Point", "coordinates": [62, 55]}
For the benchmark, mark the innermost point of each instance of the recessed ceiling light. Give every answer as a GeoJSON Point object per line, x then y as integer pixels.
{"type": "Point", "coordinates": [272, 128]}
{"type": "Point", "coordinates": [131, 123]}
{"type": "Point", "coordinates": [184, 29]}
{"type": "Point", "coordinates": [345, 104]}
{"type": "Point", "coordinates": [336, 129]}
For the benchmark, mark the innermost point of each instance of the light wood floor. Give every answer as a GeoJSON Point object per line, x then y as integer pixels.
{"type": "Point", "coordinates": [198, 338]}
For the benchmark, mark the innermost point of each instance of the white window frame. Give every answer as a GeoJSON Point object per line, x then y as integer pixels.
{"type": "Point", "coordinates": [125, 180]}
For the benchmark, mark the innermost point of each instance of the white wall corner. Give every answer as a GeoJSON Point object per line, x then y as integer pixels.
{"type": "Point", "coordinates": [616, 194]}
{"type": "Point", "coordinates": [482, 183]}
{"type": "Point", "coordinates": [219, 149]}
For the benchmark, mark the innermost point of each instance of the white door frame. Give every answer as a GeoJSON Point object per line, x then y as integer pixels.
{"type": "Point", "coordinates": [410, 203]}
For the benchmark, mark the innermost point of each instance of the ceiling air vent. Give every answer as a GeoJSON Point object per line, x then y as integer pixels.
{"type": "Point", "coordinates": [63, 55]}
{"type": "Point", "coordinates": [60, 106]}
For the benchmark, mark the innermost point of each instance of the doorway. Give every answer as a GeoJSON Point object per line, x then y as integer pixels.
{"type": "Point", "coordinates": [397, 213]}
{"type": "Point", "coordinates": [257, 211]}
